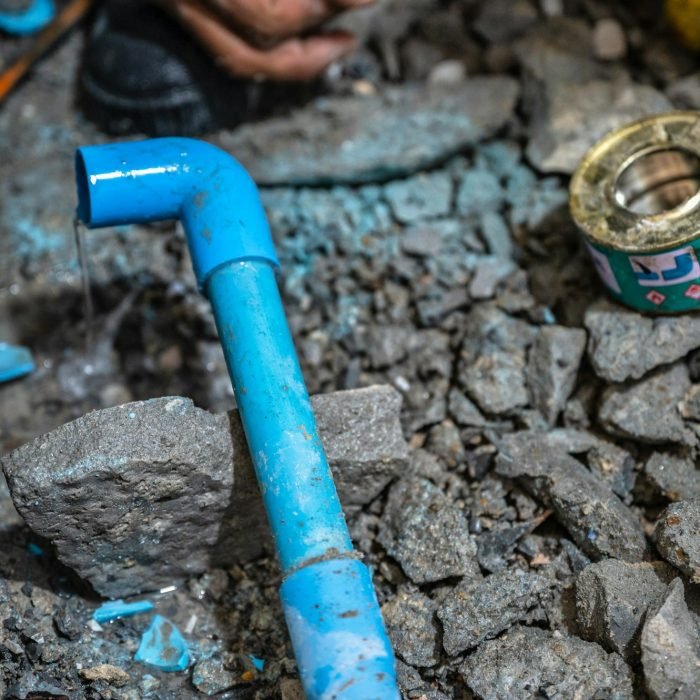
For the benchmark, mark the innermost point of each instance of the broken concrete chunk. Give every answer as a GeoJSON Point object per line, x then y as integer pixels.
{"type": "Point", "coordinates": [671, 649]}
{"type": "Point", "coordinates": [479, 191]}
{"type": "Point", "coordinates": [465, 411]}
{"type": "Point", "coordinates": [576, 114]}
{"type": "Point", "coordinates": [141, 496]}
{"type": "Point", "coordinates": [612, 598]}
{"type": "Point", "coordinates": [552, 368]}
{"type": "Point", "coordinates": [614, 466]}
{"type": "Point", "coordinates": [672, 476]}
{"type": "Point", "coordinates": [133, 496]}
{"type": "Point", "coordinates": [363, 139]}
{"type": "Point", "coordinates": [677, 536]}
{"type": "Point", "coordinates": [648, 410]}
{"type": "Point", "coordinates": [478, 610]}
{"type": "Point", "coordinates": [492, 365]}
{"type": "Point", "coordinates": [410, 622]}
{"type": "Point", "coordinates": [690, 406]}
{"type": "Point", "coordinates": [426, 533]}
{"type": "Point", "coordinates": [626, 345]}
{"type": "Point", "coordinates": [528, 661]}
{"type": "Point", "coordinates": [361, 432]}
{"type": "Point", "coordinates": [597, 520]}
{"type": "Point", "coordinates": [424, 196]}
{"type": "Point", "coordinates": [387, 345]}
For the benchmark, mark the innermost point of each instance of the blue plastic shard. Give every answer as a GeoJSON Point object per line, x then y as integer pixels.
{"type": "Point", "coordinates": [35, 549]}
{"type": "Point", "coordinates": [15, 362]}
{"type": "Point", "coordinates": [163, 646]}
{"type": "Point", "coordinates": [28, 21]}
{"type": "Point", "coordinates": [258, 663]}
{"type": "Point", "coordinates": [115, 609]}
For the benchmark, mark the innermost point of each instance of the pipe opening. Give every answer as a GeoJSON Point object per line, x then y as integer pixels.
{"type": "Point", "coordinates": [658, 181]}
{"type": "Point", "coordinates": [83, 212]}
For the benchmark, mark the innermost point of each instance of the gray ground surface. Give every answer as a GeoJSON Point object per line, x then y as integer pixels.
{"type": "Point", "coordinates": [419, 211]}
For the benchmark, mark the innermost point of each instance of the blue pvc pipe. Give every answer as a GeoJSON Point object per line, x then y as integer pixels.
{"type": "Point", "coordinates": [331, 610]}
{"type": "Point", "coordinates": [295, 481]}
{"type": "Point", "coordinates": [28, 21]}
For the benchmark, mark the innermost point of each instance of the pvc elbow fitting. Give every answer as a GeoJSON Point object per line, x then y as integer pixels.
{"type": "Point", "coordinates": [177, 178]}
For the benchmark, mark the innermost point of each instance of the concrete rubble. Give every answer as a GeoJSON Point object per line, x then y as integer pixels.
{"type": "Point", "coordinates": [612, 599]}
{"type": "Point", "coordinates": [677, 536]}
{"type": "Point", "coordinates": [529, 657]}
{"type": "Point", "coordinates": [627, 345]}
{"type": "Point", "coordinates": [671, 648]}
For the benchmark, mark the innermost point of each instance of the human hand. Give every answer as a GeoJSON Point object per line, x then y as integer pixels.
{"type": "Point", "coordinates": [268, 38]}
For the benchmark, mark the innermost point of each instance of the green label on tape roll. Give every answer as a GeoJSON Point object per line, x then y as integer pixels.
{"type": "Point", "coordinates": [663, 281]}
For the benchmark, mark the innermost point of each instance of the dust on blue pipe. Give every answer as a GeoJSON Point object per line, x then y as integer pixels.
{"type": "Point", "coordinates": [28, 21]}
{"type": "Point", "coordinates": [331, 610]}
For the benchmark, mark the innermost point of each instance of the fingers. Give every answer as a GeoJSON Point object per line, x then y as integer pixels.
{"type": "Point", "coordinates": [293, 59]}
{"type": "Point", "coordinates": [284, 18]}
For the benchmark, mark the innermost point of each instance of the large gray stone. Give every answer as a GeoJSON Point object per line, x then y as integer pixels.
{"type": "Point", "coordinates": [527, 662]}
{"type": "Point", "coordinates": [671, 649]}
{"type": "Point", "coordinates": [648, 409]}
{"type": "Point", "coordinates": [677, 536]}
{"type": "Point", "coordinates": [140, 496]}
{"type": "Point", "coordinates": [362, 139]}
{"type": "Point", "coordinates": [626, 345]}
{"type": "Point", "coordinates": [133, 496]}
{"type": "Point", "coordinates": [478, 610]}
{"type": "Point", "coordinates": [598, 521]}
{"type": "Point", "coordinates": [612, 598]}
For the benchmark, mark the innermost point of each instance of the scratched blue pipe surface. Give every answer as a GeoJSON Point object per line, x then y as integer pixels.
{"type": "Point", "coordinates": [234, 261]}
{"type": "Point", "coordinates": [295, 480]}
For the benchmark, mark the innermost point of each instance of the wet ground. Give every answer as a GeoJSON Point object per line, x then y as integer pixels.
{"type": "Point", "coordinates": [420, 214]}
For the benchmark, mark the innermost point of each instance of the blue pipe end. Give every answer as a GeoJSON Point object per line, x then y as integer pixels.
{"type": "Point", "coordinates": [29, 21]}
{"type": "Point", "coordinates": [338, 634]}
{"type": "Point", "coordinates": [177, 178]}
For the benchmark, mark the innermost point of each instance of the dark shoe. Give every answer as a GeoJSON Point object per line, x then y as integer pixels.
{"type": "Point", "coordinates": [142, 72]}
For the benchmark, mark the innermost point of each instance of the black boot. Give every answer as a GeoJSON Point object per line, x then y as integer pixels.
{"type": "Point", "coordinates": [144, 73]}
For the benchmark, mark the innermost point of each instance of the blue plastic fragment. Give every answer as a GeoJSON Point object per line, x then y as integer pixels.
{"type": "Point", "coordinates": [258, 663]}
{"type": "Point", "coordinates": [114, 609]}
{"type": "Point", "coordinates": [15, 362]}
{"type": "Point", "coordinates": [163, 646]}
{"type": "Point", "coordinates": [28, 21]}
{"type": "Point", "coordinates": [35, 549]}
